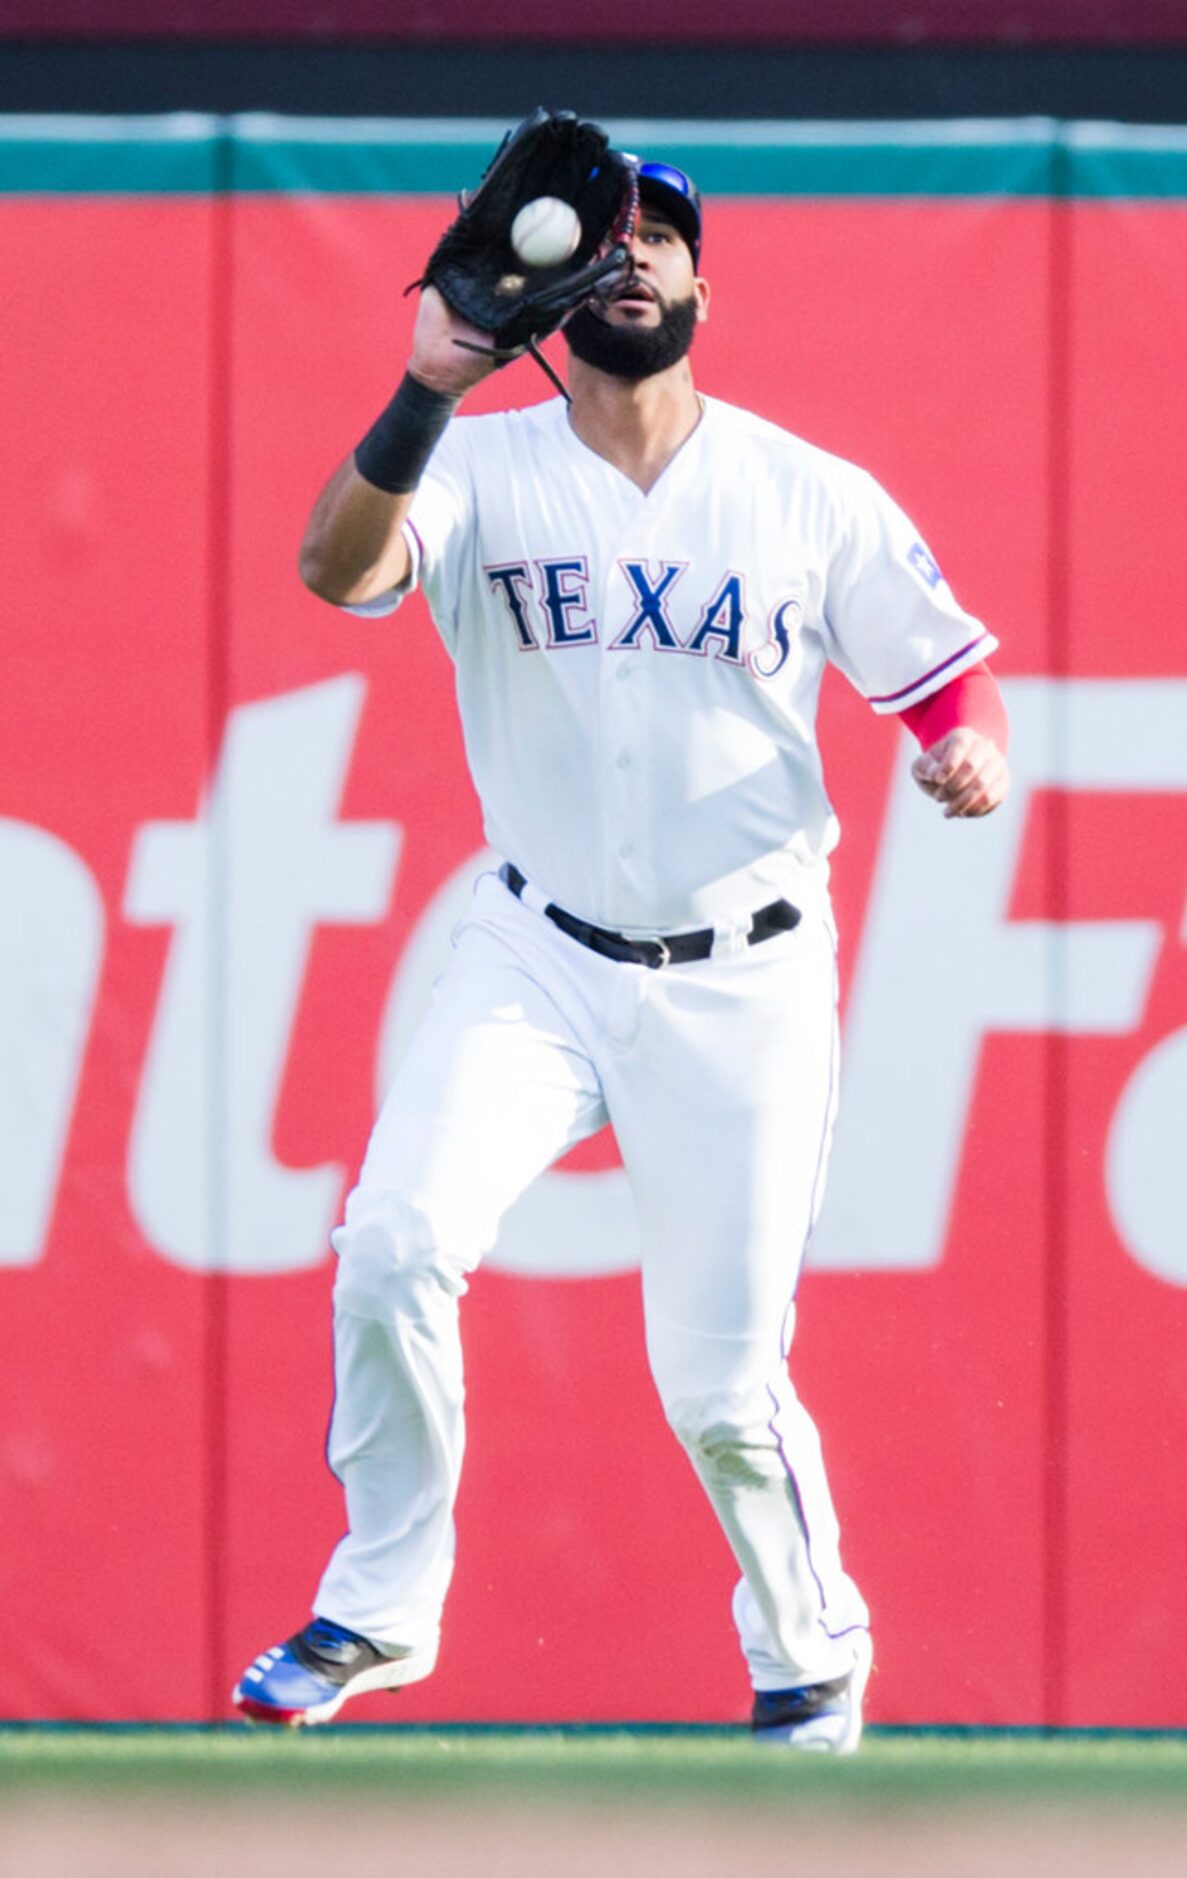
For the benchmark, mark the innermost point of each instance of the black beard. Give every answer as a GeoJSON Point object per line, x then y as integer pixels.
{"type": "Point", "coordinates": [632, 352]}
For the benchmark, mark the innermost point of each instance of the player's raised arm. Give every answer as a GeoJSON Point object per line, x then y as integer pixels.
{"type": "Point", "coordinates": [353, 547]}
{"type": "Point", "coordinates": [548, 222]}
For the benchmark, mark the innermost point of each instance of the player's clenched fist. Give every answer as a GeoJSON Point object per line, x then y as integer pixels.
{"type": "Point", "coordinates": [965, 771]}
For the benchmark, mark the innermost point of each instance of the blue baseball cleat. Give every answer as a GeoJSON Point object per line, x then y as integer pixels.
{"type": "Point", "coordinates": [824, 1717]}
{"type": "Point", "coordinates": [307, 1679]}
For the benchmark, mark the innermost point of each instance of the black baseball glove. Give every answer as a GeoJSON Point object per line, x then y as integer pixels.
{"type": "Point", "coordinates": [475, 268]}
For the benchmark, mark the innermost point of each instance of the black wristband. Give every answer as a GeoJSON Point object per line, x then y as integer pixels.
{"type": "Point", "coordinates": [403, 437]}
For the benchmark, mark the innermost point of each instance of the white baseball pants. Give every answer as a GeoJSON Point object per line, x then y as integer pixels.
{"type": "Point", "coordinates": [719, 1078]}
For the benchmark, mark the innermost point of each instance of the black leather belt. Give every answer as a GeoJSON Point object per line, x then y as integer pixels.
{"type": "Point", "coordinates": [678, 948]}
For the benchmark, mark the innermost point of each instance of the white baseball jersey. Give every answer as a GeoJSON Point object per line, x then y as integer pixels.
{"type": "Point", "coordinates": [638, 675]}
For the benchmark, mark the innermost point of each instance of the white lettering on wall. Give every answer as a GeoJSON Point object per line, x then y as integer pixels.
{"type": "Point", "coordinates": [941, 966]}
{"type": "Point", "coordinates": [243, 885]}
{"type": "Point", "coordinates": [1146, 1161]}
{"type": "Point", "coordinates": [51, 942]}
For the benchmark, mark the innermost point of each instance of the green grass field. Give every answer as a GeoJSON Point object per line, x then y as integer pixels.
{"type": "Point", "coordinates": [489, 1803]}
{"type": "Point", "coordinates": [651, 1765]}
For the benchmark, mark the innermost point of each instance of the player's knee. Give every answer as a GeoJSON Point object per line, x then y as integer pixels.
{"type": "Point", "coordinates": [727, 1439]}
{"type": "Point", "coordinates": [390, 1261]}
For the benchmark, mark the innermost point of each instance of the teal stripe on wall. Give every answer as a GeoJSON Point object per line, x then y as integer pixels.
{"type": "Point", "coordinates": [107, 156]}
{"type": "Point", "coordinates": [191, 154]}
{"type": "Point", "coordinates": [1126, 163]}
{"type": "Point", "coordinates": [739, 159]}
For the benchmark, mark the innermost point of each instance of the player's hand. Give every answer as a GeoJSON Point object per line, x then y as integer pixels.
{"type": "Point", "coordinates": [437, 359]}
{"type": "Point", "coordinates": [965, 771]}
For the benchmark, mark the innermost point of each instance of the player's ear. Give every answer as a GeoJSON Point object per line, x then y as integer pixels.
{"type": "Point", "coordinates": [700, 288]}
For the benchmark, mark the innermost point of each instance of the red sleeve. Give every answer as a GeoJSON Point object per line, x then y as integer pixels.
{"type": "Point", "coordinates": [972, 700]}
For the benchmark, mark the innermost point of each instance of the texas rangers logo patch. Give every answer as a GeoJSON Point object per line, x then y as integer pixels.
{"type": "Point", "coordinates": [924, 564]}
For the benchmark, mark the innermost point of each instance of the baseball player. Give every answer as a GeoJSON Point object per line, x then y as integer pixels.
{"type": "Point", "coordinates": [640, 590]}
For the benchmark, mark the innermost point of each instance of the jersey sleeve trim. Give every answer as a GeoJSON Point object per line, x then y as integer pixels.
{"type": "Point", "coordinates": [379, 607]}
{"type": "Point", "coordinates": [416, 549]}
{"type": "Point", "coordinates": [942, 674]}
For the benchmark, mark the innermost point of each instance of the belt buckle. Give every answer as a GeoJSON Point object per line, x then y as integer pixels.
{"type": "Point", "coordinates": [665, 956]}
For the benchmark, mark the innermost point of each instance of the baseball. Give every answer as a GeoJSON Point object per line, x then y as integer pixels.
{"type": "Point", "coordinates": [545, 232]}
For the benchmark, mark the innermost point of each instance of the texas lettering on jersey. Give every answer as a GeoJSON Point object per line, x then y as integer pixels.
{"type": "Point", "coordinates": [555, 611]}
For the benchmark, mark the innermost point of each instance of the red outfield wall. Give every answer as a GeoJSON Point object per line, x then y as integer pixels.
{"type": "Point", "coordinates": [233, 826]}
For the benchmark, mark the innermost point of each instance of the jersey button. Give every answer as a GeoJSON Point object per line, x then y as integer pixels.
{"type": "Point", "coordinates": [625, 668]}
{"type": "Point", "coordinates": [626, 851]}
{"type": "Point", "coordinates": [623, 759]}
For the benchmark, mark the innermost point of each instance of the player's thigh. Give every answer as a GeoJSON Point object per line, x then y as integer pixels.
{"type": "Point", "coordinates": [494, 1086]}
{"type": "Point", "coordinates": [725, 1128]}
